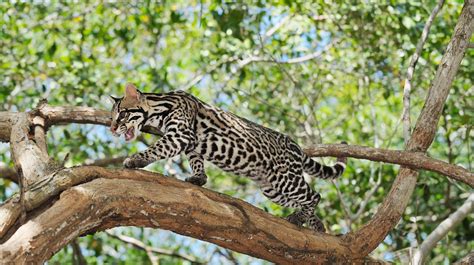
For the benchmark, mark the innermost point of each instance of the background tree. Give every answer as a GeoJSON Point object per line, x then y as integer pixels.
{"type": "Point", "coordinates": [316, 71]}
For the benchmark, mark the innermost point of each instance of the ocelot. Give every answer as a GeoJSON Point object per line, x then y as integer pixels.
{"type": "Point", "coordinates": [203, 132]}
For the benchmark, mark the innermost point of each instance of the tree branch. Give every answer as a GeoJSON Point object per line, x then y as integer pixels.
{"type": "Point", "coordinates": [441, 230]}
{"type": "Point", "coordinates": [411, 70]}
{"type": "Point", "coordinates": [152, 200]}
{"type": "Point", "coordinates": [77, 253]}
{"type": "Point", "coordinates": [413, 160]}
{"type": "Point", "coordinates": [389, 213]}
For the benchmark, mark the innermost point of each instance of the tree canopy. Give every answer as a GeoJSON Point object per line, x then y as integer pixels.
{"type": "Point", "coordinates": [320, 72]}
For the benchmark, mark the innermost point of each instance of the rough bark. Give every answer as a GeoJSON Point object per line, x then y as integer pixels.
{"type": "Point", "coordinates": [31, 160]}
{"type": "Point", "coordinates": [167, 203]}
{"type": "Point", "coordinates": [389, 213]}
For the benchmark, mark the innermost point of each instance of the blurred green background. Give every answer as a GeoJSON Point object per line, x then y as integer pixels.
{"type": "Point", "coordinates": [320, 72]}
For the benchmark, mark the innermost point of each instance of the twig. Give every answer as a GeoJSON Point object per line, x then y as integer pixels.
{"type": "Point", "coordinates": [228, 255]}
{"type": "Point", "coordinates": [411, 70]}
{"type": "Point", "coordinates": [345, 207]}
{"type": "Point", "coordinates": [78, 258]}
{"type": "Point", "coordinates": [442, 229]}
{"type": "Point", "coordinates": [140, 245]}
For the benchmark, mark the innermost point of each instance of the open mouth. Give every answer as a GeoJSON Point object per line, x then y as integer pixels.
{"type": "Point", "coordinates": [129, 134]}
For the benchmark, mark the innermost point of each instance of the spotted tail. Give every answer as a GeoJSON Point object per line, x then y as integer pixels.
{"type": "Point", "coordinates": [315, 169]}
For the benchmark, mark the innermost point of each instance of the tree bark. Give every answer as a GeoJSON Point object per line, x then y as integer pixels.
{"type": "Point", "coordinates": [147, 199]}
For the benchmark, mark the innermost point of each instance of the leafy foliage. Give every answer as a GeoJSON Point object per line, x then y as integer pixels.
{"type": "Point", "coordinates": [243, 54]}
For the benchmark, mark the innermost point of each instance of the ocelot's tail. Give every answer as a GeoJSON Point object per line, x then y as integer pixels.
{"type": "Point", "coordinates": [315, 169]}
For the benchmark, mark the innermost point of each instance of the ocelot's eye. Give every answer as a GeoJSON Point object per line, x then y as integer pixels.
{"type": "Point", "coordinates": [122, 115]}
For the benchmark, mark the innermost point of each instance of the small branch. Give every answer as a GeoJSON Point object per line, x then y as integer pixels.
{"type": "Point", "coordinates": [276, 27]}
{"type": "Point", "coordinates": [77, 253]}
{"type": "Point", "coordinates": [411, 70]}
{"type": "Point", "coordinates": [198, 77]}
{"type": "Point", "coordinates": [228, 255]}
{"type": "Point", "coordinates": [414, 160]}
{"type": "Point", "coordinates": [442, 229]}
{"type": "Point", "coordinates": [140, 245]}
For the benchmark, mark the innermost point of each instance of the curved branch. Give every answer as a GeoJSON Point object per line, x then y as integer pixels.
{"type": "Point", "coordinates": [389, 213]}
{"type": "Point", "coordinates": [167, 203]}
{"type": "Point", "coordinates": [442, 229]}
{"type": "Point", "coordinates": [413, 160]}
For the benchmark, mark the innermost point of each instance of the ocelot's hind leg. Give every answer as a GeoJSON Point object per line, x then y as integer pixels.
{"type": "Point", "coordinates": [199, 177]}
{"type": "Point", "coordinates": [292, 191]}
{"type": "Point", "coordinates": [316, 224]}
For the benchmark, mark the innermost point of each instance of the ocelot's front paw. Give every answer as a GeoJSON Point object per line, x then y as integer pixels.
{"type": "Point", "coordinates": [199, 181]}
{"type": "Point", "coordinates": [134, 162]}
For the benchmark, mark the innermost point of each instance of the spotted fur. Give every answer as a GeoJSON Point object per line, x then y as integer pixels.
{"type": "Point", "coordinates": [203, 132]}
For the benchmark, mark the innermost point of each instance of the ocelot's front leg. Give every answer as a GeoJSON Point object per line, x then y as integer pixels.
{"type": "Point", "coordinates": [177, 139]}
{"type": "Point", "coordinates": [197, 165]}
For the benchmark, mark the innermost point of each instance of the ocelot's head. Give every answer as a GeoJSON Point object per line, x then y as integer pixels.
{"type": "Point", "coordinates": [129, 113]}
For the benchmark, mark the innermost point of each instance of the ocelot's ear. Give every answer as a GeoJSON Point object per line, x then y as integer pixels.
{"type": "Point", "coordinates": [131, 92]}
{"type": "Point", "coordinates": [114, 99]}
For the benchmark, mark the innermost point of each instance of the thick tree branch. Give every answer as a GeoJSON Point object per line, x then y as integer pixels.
{"type": "Point", "coordinates": [393, 206]}
{"type": "Point", "coordinates": [152, 200]}
{"type": "Point", "coordinates": [413, 160]}
{"type": "Point", "coordinates": [411, 71]}
{"type": "Point", "coordinates": [443, 228]}
{"type": "Point", "coordinates": [31, 160]}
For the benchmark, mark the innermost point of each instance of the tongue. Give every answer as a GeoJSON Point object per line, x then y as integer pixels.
{"type": "Point", "coordinates": [129, 134]}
